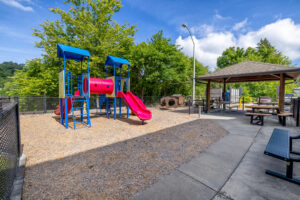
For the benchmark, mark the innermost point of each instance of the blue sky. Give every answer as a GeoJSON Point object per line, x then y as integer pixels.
{"type": "Point", "coordinates": [216, 25]}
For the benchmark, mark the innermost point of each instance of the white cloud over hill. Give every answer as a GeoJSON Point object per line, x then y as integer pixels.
{"type": "Point", "coordinates": [284, 34]}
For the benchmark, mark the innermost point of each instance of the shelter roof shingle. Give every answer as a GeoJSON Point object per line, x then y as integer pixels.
{"type": "Point", "coordinates": [252, 71]}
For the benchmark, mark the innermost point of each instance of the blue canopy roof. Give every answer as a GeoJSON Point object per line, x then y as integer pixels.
{"type": "Point", "coordinates": [115, 61]}
{"type": "Point", "coordinates": [71, 53]}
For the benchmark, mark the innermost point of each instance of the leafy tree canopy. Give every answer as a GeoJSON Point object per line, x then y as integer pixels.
{"type": "Point", "coordinates": [7, 69]}
{"type": "Point", "coordinates": [160, 68]}
{"type": "Point", "coordinates": [264, 52]}
{"type": "Point", "coordinates": [88, 24]}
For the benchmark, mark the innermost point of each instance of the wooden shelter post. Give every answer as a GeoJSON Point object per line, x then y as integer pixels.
{"type": "Point", "coordinates": [224, 93]}
{"type": "Point", "coordinates": [208, 96]}
{"type": "Point", "coordinates": [281, 92]}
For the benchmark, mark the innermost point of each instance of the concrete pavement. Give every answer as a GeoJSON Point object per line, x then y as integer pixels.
{"type": "Point", "coordinates": [232, 168]}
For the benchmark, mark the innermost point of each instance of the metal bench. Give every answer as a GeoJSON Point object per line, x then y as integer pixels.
{"type": "Point", "coordinates": [257, 118]}
{"type": "Point", "coordinates": [280, 146]}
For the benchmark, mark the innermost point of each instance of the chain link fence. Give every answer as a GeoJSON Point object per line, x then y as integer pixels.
{"type": "Point", "coordinates": [9, 145]}
{"type": "Point", "coordinates": [4, 101]}
{"type": "Point", "coordinates": [43, 104]}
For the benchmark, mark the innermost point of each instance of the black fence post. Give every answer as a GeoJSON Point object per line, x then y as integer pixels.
{"type": "Point", "coordinates": [45, 103]}
{"type": "Point", "coordinates": [297, 112]}
{"type": "Point", "coordinates": [1, 99]}
{"type": "Point", "coordinates": [189, 106]}
{"type": "Point", "coordinates": [243, 103]}
{"type": "Point", "coordinates": [16, 99]}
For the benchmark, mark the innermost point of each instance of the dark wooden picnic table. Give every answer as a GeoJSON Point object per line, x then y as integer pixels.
{"type": "Point", "coordinates": [264, 107]}
{"type": "Point", "coordinates": [281, 116]}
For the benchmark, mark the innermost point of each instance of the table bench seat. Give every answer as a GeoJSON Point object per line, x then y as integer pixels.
{"type": "Point", "coordinates": [280, 147]}
{"type": "Point", "coordinates": [282, 117]}
{"type": "Point", "coordinates": [257, 118]}
{"type": "Point", "coordinates": [257, 114]}
{"type": "Point", "coordinates": [285, 114]}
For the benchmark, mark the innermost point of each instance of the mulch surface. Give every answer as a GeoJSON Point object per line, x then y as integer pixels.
{"type": "Point", "coordinates": [112, 159]}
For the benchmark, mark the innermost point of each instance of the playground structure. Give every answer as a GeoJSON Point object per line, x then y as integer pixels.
{"type": "Point", "coordinates": [80, 99]}
{"type": "Point", "coordinates": [84, 86]}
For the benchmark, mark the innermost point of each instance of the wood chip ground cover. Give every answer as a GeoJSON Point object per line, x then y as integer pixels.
{"type": "Point", "coordinates": [112, 159]}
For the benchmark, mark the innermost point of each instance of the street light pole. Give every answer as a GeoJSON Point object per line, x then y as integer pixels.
{"type": "Point", "coordinates": [193, 95]}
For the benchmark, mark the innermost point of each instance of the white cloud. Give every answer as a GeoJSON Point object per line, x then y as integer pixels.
{"type": "Point", "coordinates": [201, 30]}
{"type": "Point", "coordinates": [283, 34]}
{"type": "Point", "coordinates": [27, 1]}
{"type": "Point", "coordinates": [17, 4]}
{"type": "Point", "coordinates": [240, 25]}
{"type": "Point", "coordinates": [209, 48]}
{"type": "Point", "coordinates": [218, 16]}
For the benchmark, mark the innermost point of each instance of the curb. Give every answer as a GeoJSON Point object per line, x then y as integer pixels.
{"type": "Point", "coordinates": [19, 179]}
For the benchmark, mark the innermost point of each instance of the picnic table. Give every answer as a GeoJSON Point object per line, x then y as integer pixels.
{"type": "Point", "coordinates": [256, 109]}
{"type": "Point", "coordinates": [230, 104]}
{"type": "Point", "coordinates": [257, 116]}
{"type": "Point", "coordinates": [263, 107]}
{"type": "Point", "coordinates": [282, 117]}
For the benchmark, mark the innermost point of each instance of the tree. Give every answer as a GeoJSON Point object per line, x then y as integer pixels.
{"type": "Point", "coordinates": [160, 68]}
{"type": "Point", "coordinates": [232, 56]}
{"type": "Point", "coordinates": [264, 52]}
{"type": "Point", "coordinates": [88, 24]}
{"type": "Point", "coordinates": [33, 79]}
{"type": "Point", "coordinates": [269, 54]}
{"type": "Point", "coordinates": [7, 69]}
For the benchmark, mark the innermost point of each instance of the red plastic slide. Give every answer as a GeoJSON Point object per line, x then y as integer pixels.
{"type": "Point", "coordinates": [57, 111]}
{"type": "Point", "coordinates": [136, 105]}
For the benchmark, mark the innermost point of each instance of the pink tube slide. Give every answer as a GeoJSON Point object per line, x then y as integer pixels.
{"type": "Point", "coordinates": [136, 105]}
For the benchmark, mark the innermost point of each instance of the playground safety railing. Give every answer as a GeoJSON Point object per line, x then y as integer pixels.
{"type": "Point", "coordinates": [10, 145]}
